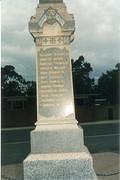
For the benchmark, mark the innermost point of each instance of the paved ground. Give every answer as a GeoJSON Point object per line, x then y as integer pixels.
{"type": "Point", "coordinates": [107, 163]}
{"type": "Point", "coordinates": [104, 163]}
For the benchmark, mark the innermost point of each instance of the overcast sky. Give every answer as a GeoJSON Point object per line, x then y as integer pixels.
{"type": "Point", "coordinates": [97, 35]}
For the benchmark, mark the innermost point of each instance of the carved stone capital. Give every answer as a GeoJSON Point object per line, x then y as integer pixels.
{"type": "Point", "coordinates": [49, 14]}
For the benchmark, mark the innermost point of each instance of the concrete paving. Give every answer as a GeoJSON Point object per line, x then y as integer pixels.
{"type": "Point", "coordinates": [104, 164]}
{"type": "Point", "coordinates": [107, 164]}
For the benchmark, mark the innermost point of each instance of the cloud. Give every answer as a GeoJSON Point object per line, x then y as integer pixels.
{"type": "Point", "coordinates": [97, 35]}
{"type": "Point", "coordinates": [18, 48]}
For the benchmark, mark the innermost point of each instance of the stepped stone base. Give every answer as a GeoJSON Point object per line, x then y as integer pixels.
{"type": "Point", "coordinates": [59, 166]}
{"type": "Point", "coordinates": [64, 138]}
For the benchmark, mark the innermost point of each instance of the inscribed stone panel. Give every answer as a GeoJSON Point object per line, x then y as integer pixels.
{"type": "Point", "coordinates": [54, 83]}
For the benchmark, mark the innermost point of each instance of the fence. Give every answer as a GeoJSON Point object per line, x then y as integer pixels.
{"type": "Point", "coordinates": [21, 111]}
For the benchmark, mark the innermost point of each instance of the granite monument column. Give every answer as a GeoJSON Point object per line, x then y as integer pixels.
{"type": "Point", "coordinates": [57, 144]}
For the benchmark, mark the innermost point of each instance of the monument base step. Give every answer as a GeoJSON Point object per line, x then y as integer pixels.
{"type": "Point", "coordinates": [59, 166]}
{"type": "Point", "coordinates": [62, 138]}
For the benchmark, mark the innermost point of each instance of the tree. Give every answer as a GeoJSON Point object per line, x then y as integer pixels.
{"type": "Point", "coordinates": [12, 83]}
{"type": "Point", "coordinates": [31, 88]}
{"type": "Point", "coordinates": [81, 76]}
{"type": "Point", "coordinates": [108, 84]}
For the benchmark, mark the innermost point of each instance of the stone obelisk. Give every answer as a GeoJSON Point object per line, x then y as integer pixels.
{"type": "Point", "coordinates": [57, 144]}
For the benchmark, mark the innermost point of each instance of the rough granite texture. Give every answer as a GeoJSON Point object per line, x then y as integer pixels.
{"type": "Point", "coordinates": [63, 166]}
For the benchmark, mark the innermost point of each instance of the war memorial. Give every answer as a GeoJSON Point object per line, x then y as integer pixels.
{"type": "Point", "coordinates": [57, 143]}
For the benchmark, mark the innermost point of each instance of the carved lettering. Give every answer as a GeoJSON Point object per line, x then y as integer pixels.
{"type": "Point", "coordinates": [54, 40]}
{"type": "Point", "coordinates": [52, 72]}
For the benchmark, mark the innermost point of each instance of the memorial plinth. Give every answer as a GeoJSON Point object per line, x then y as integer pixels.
{"type": "Point", "coordinates": [57, 144]}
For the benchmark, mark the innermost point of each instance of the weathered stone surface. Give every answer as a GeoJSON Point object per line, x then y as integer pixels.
{"type": "Point", "coordinates": [52, 28]}
{"type": "Point", "coordinates": [57, 139]}
{"type": "Point", "coordinates": [52, 14]}
{"type": "Point", "coordinates": [63, 166]}
{"type": "Point", "coordinates": [54, 85]}
{"type": "Point", "coordinates": [57, 144]}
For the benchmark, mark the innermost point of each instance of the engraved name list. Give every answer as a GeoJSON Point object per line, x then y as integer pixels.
{"type": "Point", "coordinates": [53, 77]}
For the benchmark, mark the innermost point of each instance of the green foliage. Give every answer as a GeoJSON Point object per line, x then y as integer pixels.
{"type": "Point", "coordinates": [31, 88]}
{"type": "Point", "coordinates": [83, 84]}
{"type": "Point", "coordinates": [108, 84]}
{"type": "Point", "coordinates": [13, 84]}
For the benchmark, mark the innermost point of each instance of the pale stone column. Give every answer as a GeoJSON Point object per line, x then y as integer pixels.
{"type": "Point", "coordinates": [53, 30]}
{"type": "Point", "coordinates": [57, 144]}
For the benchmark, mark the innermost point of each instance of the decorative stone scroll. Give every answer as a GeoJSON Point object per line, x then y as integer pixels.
{"type": "Point", "coordinates": [51, 16]}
